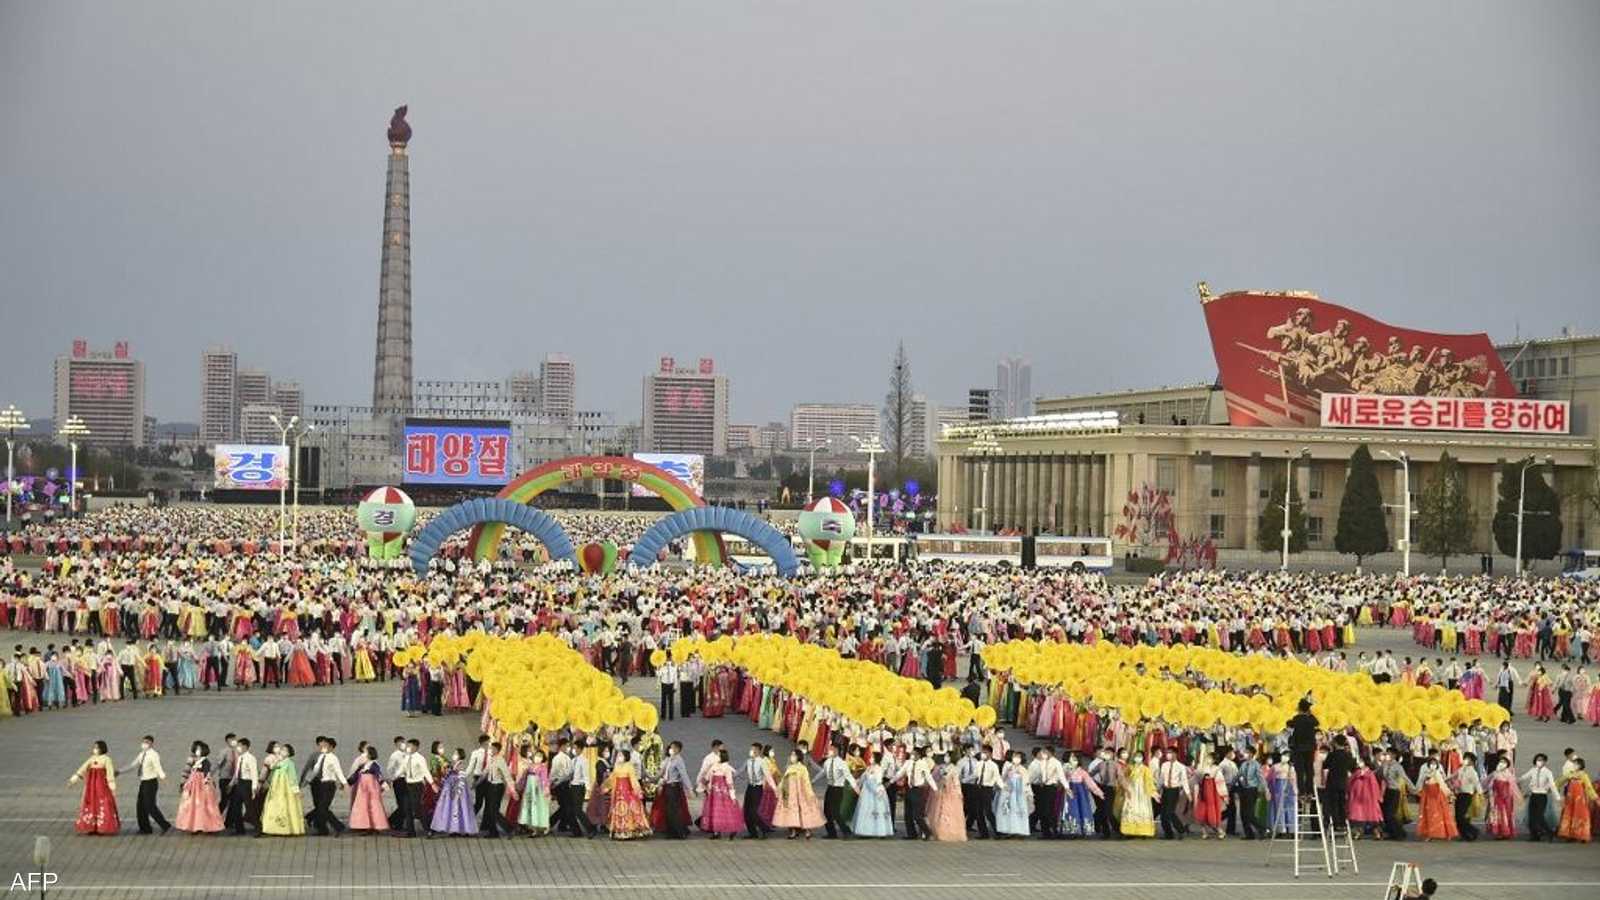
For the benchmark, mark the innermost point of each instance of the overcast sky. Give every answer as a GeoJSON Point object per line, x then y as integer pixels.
{"type": "Point", "coordinates": [786, 187]}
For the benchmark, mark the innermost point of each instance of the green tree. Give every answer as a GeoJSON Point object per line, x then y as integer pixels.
{"type": "Point", "coordinates": [1269, 527]}
{"type": "Point", "coordinates": [1541, 514]}
{"type": "Point", "coordinates": [897, 408]}
{"type": "Point", "coordinates": [1362, 529]}
{"type": "Point", "coordinates": [1444, 518]}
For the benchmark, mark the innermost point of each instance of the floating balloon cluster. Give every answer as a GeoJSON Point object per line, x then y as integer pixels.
{"type": "Point", "coordinates": [863, 692]}
{"type": "Point", "coordinates": [536, 681]}
{"type": "Point", "coordinates": [1253, 691]}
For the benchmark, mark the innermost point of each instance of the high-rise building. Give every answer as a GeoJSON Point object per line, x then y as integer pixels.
{"type": "Point", "coordinates": [1013, 389]}
{"type": "Point", "coordinates": [391, 365]}
{"type": "Point", "coordinates": [522, 389]}
{"type": "Point", "coordinates": [685, 409]}
{"type": "Point", "coordinates": [255, 423]}
{"type": "Point", "coordinates": [772, 437]}
{"type": "Point", "coordinates": [980, 404]}
{"type": "Point", "coordinates": [742, 436]}
{"type": "Point", "coordinates": [252, 387]}
{"type": "Point", "coordinates": [288, 396]}
{"type": "Point", "coordinates": [219, 396]}
{"type": "Point", "coordinates": [105, 390]}
{"type": "Point", "coordinates": [814, 424]}
{"type": "Point", "coordinates": [558, 386]}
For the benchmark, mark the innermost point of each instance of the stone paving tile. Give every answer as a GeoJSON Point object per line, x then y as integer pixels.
{"type": "Point", "coordinates": [43, 750]}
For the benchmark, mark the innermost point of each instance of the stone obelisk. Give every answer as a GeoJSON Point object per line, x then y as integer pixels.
{"type": "Point", "coordinates": [391, 367]}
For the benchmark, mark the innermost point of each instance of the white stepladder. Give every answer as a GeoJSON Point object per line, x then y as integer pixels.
{"type": "Point", "coordinates": [1404, 878]}
{"type": "Point", "coordinates": [1314, 847]}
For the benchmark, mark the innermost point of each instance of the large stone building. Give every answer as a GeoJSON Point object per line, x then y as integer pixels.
{"type": "Point", "coordinates": [1084, 465]}
{"type": "Point", "coordinates": [828, 424]}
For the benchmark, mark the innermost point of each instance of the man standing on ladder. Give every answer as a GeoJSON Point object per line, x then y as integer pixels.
{"type": "Point", "coordinates": [1303, 747]}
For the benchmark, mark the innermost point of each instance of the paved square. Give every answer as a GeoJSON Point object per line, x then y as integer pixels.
{"type": "Point", "coordinates": [43, 750]}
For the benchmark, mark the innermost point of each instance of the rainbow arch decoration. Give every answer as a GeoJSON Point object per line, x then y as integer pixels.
{"type": "Point", "coordinates": [486, 537]}
{"type": "Point", "coordinates": [540, 524]}
{"type": "Point", "coordinates": [710, 520]}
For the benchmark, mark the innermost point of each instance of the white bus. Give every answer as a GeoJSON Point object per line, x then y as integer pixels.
{"type": "Point", "coordinates": [1080, 554]}
{"type": "Point", "coordinates": [1583, 565]}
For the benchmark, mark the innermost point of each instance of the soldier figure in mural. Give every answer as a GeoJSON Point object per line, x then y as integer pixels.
{"type": "Point", "coordinates": [1310, 363]}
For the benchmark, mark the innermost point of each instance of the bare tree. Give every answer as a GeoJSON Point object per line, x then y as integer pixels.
{"type": "Point", "coordinates": [897, 409]}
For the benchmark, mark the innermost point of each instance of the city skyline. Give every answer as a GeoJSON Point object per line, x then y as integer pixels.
{"type": "Point", "coordinates": [619, 220]}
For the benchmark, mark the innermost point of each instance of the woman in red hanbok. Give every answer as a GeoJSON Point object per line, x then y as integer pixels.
{"type": "Point", "coordinates": [1504, 798]}
{"type": "Point", "coordinates": [1541, 700]}
{"type": "Point", "coordinates": [1365, 799]}
{"type": "Point", "coordinates": [300, 671]}
{"type": "Point", "coordinates": [1577, 805]}
{"type": "Point", "coordinates": [198, 809]}
{"type": "Point", "coordinates": [1436, 820]}
{"type": "Point", "coordinates": [627, 819]}
{"type": "Point", "coordinates": [98, 812]}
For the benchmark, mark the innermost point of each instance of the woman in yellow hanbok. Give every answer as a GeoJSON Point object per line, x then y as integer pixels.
{"type": "Point", "coordinates": [282, 813]}
{"type": "Point", "coordinates": [1138, 787]}
{"type": "Point", "coordinates": [362, 663]}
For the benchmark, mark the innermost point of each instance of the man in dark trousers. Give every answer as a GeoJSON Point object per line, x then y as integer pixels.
{"type": "Point", "coordinates": [835, 777]}
{"type": "Point", "coordinates": [755, 775]}
{"type": "Point", "coordinates": [325, 776]}
{"type": "Point", "coordinates": [148, 766]}
{"type": "Point", "coordinates": [496, 775]}
{"type": "Point", "coordinates": [667, 676]}
{"type": "Point", "coordinates": [1336, 769]}
{"type": "Point", "coordinates": [247, 774]}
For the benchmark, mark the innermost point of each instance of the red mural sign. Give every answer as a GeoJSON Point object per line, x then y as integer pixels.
{"type": "Point", "coordinates": [1277, 354]}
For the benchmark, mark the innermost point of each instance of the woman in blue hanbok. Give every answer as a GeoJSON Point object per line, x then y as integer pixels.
{"type": "Point", "coordinates": [452, 813]}
{"type": "Point", "coordinates": [1077, 814]}
{"type": "Point", "coordinates": [1011, 801]}
{"type": "Point", "coordinates": [54, 694]}
{"type": "Point", "coordinates": [187, 673]}
{"type": "Point", "coordinates": [873, 817]}
{"type": "Point", "coordinates": [1283, 803]}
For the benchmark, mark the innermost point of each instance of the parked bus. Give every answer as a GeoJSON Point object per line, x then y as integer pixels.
{"type": "Point", "coordinates": [1080, 554]}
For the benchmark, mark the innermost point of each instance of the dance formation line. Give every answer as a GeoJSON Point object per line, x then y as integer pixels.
{"type": "Point", "coordinates": [872, 764]}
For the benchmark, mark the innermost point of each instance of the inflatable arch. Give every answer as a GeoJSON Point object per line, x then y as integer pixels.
{"type": "Point", "coordinates": [425, 545]}
{"type": "Point", "coordinates": [485, 540]}
{"type": "Point", "coordinates": [711, 519]}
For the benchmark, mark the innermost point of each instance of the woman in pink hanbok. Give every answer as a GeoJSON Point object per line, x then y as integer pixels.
{"type": "Point", "coordinates": [366, 798]}
{"type": "Point", "coordinates": [199, 811]}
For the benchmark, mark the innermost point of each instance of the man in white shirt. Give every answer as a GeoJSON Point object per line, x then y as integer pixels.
{"type": "Point", "coordinates": [1541, 784]}
{"type": "Point", "coordinates": [1172, 779]}
{"type": "Point", "coordinates": [247, 777]}
{"type": "Point", "coordinates": [667, 676]}
{"type": "Point", "coordinates": [408, 790]}
{"type": "Point", "coordinates": [919, 784]}
{"type": "Point", "coordinates": [561, 788]}
{"type": "Point", "coordinates": [496, 775]}
{"type": "Point", "coordinates": [326, 775]}
{"type": "Point", "coordinates": [148, 766]}
{"type": "Point", "coordinates": [477, 762]}
{"type": "Point", "coordinates": [988, 783]}
{"type": "Point", "coordinates": [1468, 784]}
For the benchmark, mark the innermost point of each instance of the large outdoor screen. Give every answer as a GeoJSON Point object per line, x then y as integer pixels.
{"type": "Point", "coordinates": [457, 452]}
{"type": "Point", "coordinates": [251, 467]}
{"type": "Point", "coordinates": [689, 468]}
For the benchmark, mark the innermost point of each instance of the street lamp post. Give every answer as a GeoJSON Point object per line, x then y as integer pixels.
{"type": "Point", "coordinates": [1288, 501]}
{"type": "Point", "coordinates": [1405, 508]}
{"type": "Point", "coordinates": [871, 447]}
{"type": "Point", "coordinates": [983, 447]}
{"type": "Point", "coordinates": [294, 463]}
{"type": "Point", "coordinates": [283, 488]}
{"type": "Point", "coordinates": [811, 471]}
{"type": "Point", "coordinates": [13, 421]}
{"type": "Point", "coordinates": [72, 431]}
{"type": "Point", "coordinates": [1522, 487]}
